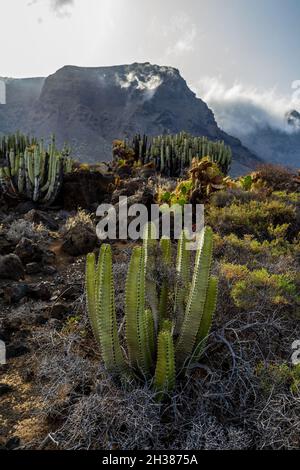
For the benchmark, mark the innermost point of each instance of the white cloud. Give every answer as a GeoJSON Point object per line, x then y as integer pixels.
{"type": "Point", "coordinates": [185, 43]}
{"type": "Point", "coordinates": [60, 7]}
{"type": "Point", "coordinates": [240, 109]}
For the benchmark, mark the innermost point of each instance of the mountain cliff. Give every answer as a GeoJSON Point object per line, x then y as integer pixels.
{"type": "Point", "coordinates": [90, 107]}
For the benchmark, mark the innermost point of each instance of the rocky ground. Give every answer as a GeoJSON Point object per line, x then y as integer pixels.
{"type": "Point", "coordinates": [54, 392]}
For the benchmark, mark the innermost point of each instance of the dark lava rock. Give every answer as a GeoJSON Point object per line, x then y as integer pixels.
{"type": "Point", "coordinates": [4, 389]}
{"type": "Point", "coordinates": [33, 268]}
{"type": "Point", "coordinates": [128, 188]}
{"type": "Point", "coordinates": [28, 251]}
{"type": "Point", "coordinates": [14, 293]}
{"type": "Point", "coordinates": [79, 240]}
{"type": "Point", "coordinates": [40, 217]}
{"type": "Point", "coordinates": [11, 267]}
{"type": "Point", "coordinates": [40, 291]}
{"type": "Point", "coordinates": [58, 311]}
{"type": "Point", "coordinates": [71, 292]}
{"type": "Point", "coordinates": [49, 270]}
{"type": "Point", "coordinates": [83, 189]}
{"type": "Point", "coordinates": [6, 246]}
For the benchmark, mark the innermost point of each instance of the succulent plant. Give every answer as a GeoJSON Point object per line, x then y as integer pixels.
{"type": "Point", "coordinates": [160, 342]}
{"type": "Point", "coordinates": [173, 153]}
{"type": "Point", "coordinates": [31, 171]}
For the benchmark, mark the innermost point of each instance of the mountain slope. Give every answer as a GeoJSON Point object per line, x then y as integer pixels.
{"type": "Point", "coordinates": [89, 107]}
{"type": "Point", "coordinates": [280, 146]}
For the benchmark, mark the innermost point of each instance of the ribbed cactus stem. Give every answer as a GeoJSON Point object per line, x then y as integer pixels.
{"type": "Point", "coordinates": [197, 297]}
{"type": "Point", "coordinates": [164, 379]}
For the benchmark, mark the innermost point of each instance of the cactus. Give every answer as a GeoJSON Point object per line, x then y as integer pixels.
{"type": "Point", "coordinates": [31, 171]}
{"type": "Point", "coordinates": [178, 337]}
{"type": "Point", "coordinates": [101, 309]}
{"type": "Point", "coordinates": [196, 301]}
{"type": "Point", "coordinates": [171, 154]}
{"type": "Point", "coordinates": [165, 373]}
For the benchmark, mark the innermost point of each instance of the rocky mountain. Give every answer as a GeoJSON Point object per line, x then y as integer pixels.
{"type": "Point", "coordinates": [293, 119]}
{"type": "Point", "coordinates": [90, 107]}
{"type": "Point", "coordinates": [280, 146]}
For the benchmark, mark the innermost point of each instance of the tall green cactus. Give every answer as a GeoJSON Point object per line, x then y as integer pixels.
{"type": "Point", "coordinates": [180, 333]}
{"type": "Point", "coordinates": [28, 170]}
{"type": "Point", "coordinates": [196, 301]}
{"type": "Point", "coordinates": [137, 319]}
{"type": "Point", "coordinates": [101, 308]}
{"type": "Point", "coordinates": [172, 153]}
{"type": "Point", "coordinates": [165, 246]}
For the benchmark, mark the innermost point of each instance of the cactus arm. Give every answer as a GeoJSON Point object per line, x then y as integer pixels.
{"type": "Point", "coordinates": [183, 273]}
{"type": "Point", "coordinates": [106, 314]}
{"type": "Point", "coordinates": [136, 336]}
{"type": "Point", "coordinates": [208, 313]}
{"type": "Point", "coordinates": [197, 297]}
{"type": "Point", "coordinates": [149, 246]}
{"type": "Point", "coordinates": [90, 289]}
{"type": "Point", "coordinates": [164, 379]}
{"type": "Point", "coordinates": [165, 245]}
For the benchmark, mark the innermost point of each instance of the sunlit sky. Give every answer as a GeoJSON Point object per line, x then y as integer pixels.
{"type": "Point", "coordinates": [254, 42]}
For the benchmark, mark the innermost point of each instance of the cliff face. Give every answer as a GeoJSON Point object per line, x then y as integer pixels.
{"type": "Point", "coordinates": [90, 107]}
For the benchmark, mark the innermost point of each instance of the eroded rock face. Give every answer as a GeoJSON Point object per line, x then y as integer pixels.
{"type": "Point", "coordinates": [11, 267]}
{"type": "Point", "coordinates": [90, 107]}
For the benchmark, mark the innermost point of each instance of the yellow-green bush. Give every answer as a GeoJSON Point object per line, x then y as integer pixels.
{"type": "Point", "coordinates": [259, 289]}
{"type": "Point", "coordinates": [252, 218]}
{"type": "Point", "coordinates": [254, 253]}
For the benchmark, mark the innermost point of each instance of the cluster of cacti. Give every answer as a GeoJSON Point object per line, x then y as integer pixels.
{"type": "Point", "coordinates": [162, 336]}
{"type": "Point", "coordinates": [171, 154]}
{"type": "Point", "coordinates": [30, 171]}
{"type": "Point", "coordinates": [16, 143]}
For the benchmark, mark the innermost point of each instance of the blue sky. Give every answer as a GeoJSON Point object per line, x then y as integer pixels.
{"type": "Point", "coordinates": [241, 49]}
{"type": "Point", "coordinates": [253, 41]}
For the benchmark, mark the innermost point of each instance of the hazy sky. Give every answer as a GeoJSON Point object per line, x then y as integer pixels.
{"type": "Point", "coordinates": [251, 42]}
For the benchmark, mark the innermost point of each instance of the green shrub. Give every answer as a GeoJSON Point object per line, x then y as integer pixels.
{"type": "Point", "coordinates": [252, 218]}
{"type": "Point", "coordinates": [258, 289]}
{"type": "Point", "coordinates": [279, 375]}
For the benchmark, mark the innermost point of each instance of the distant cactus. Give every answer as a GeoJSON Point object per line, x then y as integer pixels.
{"type": "Point", "coordinates": [154, 345]}
{"type": "Point", "coordinates": [28, 170]}
{"type": "Point", "coordinates": [172, 153]}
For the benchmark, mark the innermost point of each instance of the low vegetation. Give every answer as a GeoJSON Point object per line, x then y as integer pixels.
{"type": "Point", "coordinates": [146, 355]}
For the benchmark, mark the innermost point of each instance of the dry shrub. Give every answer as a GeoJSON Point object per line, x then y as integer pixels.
{"type": "Point", "coordinates": [277, 177]}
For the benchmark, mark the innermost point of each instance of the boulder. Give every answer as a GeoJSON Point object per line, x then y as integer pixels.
{"type": "Point", "coordinates": [11, 267]}
{"type": "Point", "coordinates": [79, 240]}
{"type": "Point", "coordinates": [33, 268]}
{"type": "Point", "coordinates": [6, 246]}
{"type": "Point", "coordinates": [40, 217]}
{"type": "Point", "coordinates": [82, 189]}
{"type": "Point", "coordinates": [28, 251]}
